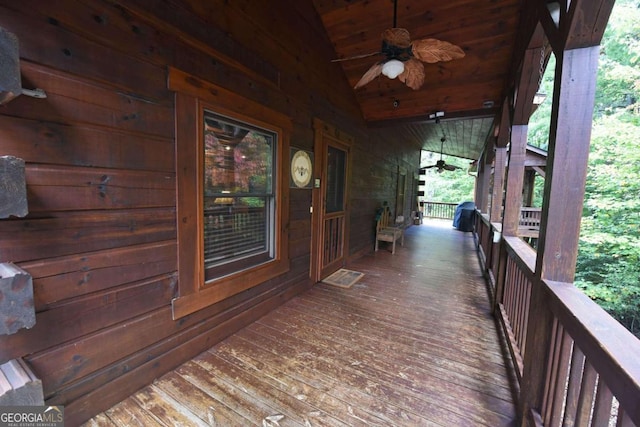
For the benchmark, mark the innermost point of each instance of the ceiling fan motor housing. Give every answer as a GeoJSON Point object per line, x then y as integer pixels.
{"type": "Point", "coordinates": [395, 52]}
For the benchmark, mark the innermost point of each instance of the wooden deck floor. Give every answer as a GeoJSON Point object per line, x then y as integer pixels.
{"type": "Point", "coordinates": [412, 343]}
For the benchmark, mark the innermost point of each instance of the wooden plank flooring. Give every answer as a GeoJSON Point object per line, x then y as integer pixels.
{"type": "Point", "coordinates": [412, 343]}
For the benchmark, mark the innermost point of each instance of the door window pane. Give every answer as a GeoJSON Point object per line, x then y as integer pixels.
{"type": "Point", "coordinates": [336, 174]}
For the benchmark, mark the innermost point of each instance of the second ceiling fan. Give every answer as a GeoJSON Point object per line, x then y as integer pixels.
{"type": "Point", "coordinates": [441, 164]}
{"type": "Point", "coordinates": [404, 58]}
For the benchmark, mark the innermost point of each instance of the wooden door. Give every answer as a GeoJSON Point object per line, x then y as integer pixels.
{"type": "Point", "coordinates": [330, 204]}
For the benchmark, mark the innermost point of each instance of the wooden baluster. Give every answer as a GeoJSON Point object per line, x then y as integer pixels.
{"type": "Point", "coordinates": [602, 405]}
{"type": "Point", "coordinates": [587, 390]}
{"type": "Point", "coordinates": [573, 387]}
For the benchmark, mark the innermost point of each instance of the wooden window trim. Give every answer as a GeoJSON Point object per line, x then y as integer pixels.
{"type": "Point", "coordinates": [193, 95]}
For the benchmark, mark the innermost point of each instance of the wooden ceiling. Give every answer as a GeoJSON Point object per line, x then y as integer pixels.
{"type": "Point", "coordinates": [469, 90]}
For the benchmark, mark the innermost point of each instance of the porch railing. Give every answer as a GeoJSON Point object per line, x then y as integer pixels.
{"type": "Point", "coordinates": [529, 217]}
{"type": "Point", "coordinates": [576, 365]}
{"type": "Point", "coordinates": [513, 308]}
{"type": "Point", "coordinates": [439, 210]}
{"type": "Point", "coordinates": [529, 225]}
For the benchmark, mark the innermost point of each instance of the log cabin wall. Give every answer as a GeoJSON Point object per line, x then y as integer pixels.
{"type": "Point", "coordinates": [100, 238]}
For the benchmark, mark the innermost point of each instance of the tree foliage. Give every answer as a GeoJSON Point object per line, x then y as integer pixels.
{"type": "Point", "coordinates": [608, 267]}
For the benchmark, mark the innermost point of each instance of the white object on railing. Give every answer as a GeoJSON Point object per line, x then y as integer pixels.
{"type": "Point", "coordinates": [34, 93]}
{"type": "Point", "coordinates": [497, 236]}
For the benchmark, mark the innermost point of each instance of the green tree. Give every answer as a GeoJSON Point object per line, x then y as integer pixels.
{"type": "Point", "coordinates": [619, 72]}
{"type": "Point", "coordinates": [449, 186]}
{"type": "Point", "coordinates": [608, 267]}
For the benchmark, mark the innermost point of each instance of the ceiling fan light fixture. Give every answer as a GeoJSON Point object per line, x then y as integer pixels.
{"type": "Point", "coordinates": [405, 57]}
{"type": "Point", "coordinates": [392, 68]}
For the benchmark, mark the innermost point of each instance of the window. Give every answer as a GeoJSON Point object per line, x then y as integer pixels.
{"type": "Point", "coordinates": [239, 198]}
{"type": "Point", "coordinates": [230, 163]}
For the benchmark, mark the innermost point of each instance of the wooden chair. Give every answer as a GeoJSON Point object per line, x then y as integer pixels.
{"type": "Point", "coordinates": [388, 232]}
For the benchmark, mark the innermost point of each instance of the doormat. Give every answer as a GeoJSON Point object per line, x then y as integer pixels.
{"type": "Point", "coordinates": [343, 278]}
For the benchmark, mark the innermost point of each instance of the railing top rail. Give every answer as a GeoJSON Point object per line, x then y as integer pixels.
{"type": "Point", "coordinates": [523, 254]}
{"type": "Point", "coordinates": [611, 349]}
{"type": "Point", "coordinates": [441, 203]}
{"type": "Point", "coordinates": [484, 217]}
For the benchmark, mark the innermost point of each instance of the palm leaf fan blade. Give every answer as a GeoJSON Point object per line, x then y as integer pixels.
{"type": "Point", "coordinates": [371, 74]}
{"type": "Point", "coordinates": [434, 50]}
{"type": "Point", "coordinates": [413, 74]}
{"type": "Point", "coordinates": [397, 37]}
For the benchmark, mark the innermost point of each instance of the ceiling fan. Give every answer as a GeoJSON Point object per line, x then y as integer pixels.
{"type": "Point", "coordinates": [404, 58]}
{"type": "Point", "coordinates": [441, 164]}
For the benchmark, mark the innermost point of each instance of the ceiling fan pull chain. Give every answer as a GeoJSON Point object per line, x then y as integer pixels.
{"type": "Point", "coordinates": [543, 52]}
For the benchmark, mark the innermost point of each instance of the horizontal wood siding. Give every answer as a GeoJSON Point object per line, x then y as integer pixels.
{"type": "Point", "coordinates": [100, 238]}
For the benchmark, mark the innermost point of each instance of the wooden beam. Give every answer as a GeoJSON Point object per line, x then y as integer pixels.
{"type": "Point", "coordinates": [527, 86]}
{"type": "Point", "coordinates": [515, 175]}
{"type": "Point", "coordinates": [19, 386]}
{"type": "Point", "coordinates": [504, 126]}
{"type": "Point", "coordinates": [16, 299]}
{"type": "Point", "coordinates": [498, 184]}
{"type": "Point", "coordinates": [529, 183]}
{"type": "Point", "coordinates": [482, 182]}
{"type": "Point", "coordinates": [540, 171]}
{"type": "Point", "coordinates": [581, 25]}
{"type": "Point", "coordinates": [587, 22]}
{"type": "Point", "coordinates": [500, 162]}
{"type": "Point", "coordinates": [569, 142]}
{"type": "Point", "coordinates": [10, 81]}
{"type": "Point", "coordinates": [533, 162]}
{"type": "Point", "coordinates": [551, 30]}
{"type": "Point", "coordinates": [530, 35]}
{"type": "Point", "coordinates": [13, 187]}
{"type": "Point", "coordinates": [424, 117]}
{"type": "Point", "coordinates": [569, 139]}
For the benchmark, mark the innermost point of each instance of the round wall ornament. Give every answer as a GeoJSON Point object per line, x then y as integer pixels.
{"type": "Point", "coordinates": [301, 168]}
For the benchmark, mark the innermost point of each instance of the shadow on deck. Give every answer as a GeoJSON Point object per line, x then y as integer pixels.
{"type": "Point", "coordinates": [412, 343]}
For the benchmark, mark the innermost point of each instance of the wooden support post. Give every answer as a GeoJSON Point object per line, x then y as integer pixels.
{"type": "Point", "coordinates": [567, 164]}
{"type": "Point", "coordinates": [515, 176]}
{"type": "Point", "coordinates": [569, 141]}
{"type": "Point", "coordinates": [498, 184]}
{"type": "Point", "coordinates": [482, 189]}
{"type": "Point", "coordinates": [500, 164]}
{"type": "Point", "coordinates": [478, 191]}
{"type": "Point", "coordinates": [529, 187]}
{"type": "Point", "coordinates": [513, 200]}
{"type": "Point", "coordinates": [500, 278]}
{"type": "Point", "coordinates": [16, 299]}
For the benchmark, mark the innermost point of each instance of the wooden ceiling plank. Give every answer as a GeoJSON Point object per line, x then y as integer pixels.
{"type": "Point", "coordinates": [486, 30]}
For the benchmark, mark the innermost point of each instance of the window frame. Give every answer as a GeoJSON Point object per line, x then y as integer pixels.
{"type": "Point", "coordinates": [192, 97]}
